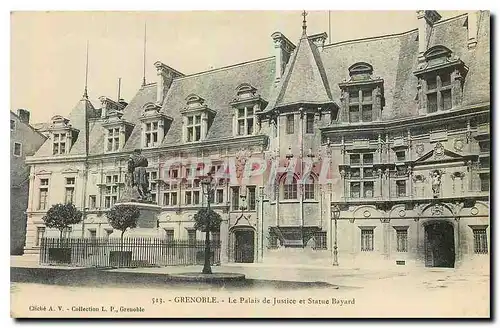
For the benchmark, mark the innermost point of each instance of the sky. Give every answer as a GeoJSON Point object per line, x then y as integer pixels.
{"type": "Point", "coordinates": [48, 49]}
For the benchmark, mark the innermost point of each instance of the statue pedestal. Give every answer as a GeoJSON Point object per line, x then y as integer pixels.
{"type": "Point", "coordinates": [148, 217]}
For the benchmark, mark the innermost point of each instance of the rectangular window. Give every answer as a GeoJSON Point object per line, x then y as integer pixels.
{"type": "Point", "coordinates": [367, 96]}
{"type": "Point", "coordinates": [446, 99]}
{"type": "Point", "coordinates": [355, 173]}
{"type": "Point", "coordinates": [245, 121]}
{"type": "Point", "coordinates": [43, 194]}
{"type": "Point", "coordinates": [366, 240]}
{"type": "Point", "coordinates": [69, 195]}
{"type": "Point", "coordinates": [354, 114]}
{"type": "Point", "coordinates": [219, 199]}
{"type": "Point", "coordinates": [401, 156]}
{"type": "Point", "coordinates": [355, 159]}
{"type": "Point", "coordinates": [432, 105]}
{"type": "Point", "coordinates": [402, 240]}
{"type": "Point", "coordinates": [290, 124]}
{"type": "Point", "coordinates": [92, 201]}
{"type": "Point", "coordinates": [309, 189]}
{"type": "Point", "coordinates": [40, 233]}
{"type": "Point", "coordinates": [353, 96]}
{"type": "Point", "coordinates": [169, 235]}
{"type": "Point", "coordinates": [70, 190]}
{"type": "Point", "coordinates": [17, 149]}
{"type": "Point", "coordinates": [310, 123]}
{"type": "Point", "coordinates": [368, 189]}
{"type": "Point", "coordinates": [12, 125]}
{"type": "Point", "coordinates": [59, 143]}
{"type": "Point", "coordinates": [194, 128]}
{"type": "Point", "coordinates": [151, 134]}
{"type": "Point", "coordinates": [485, 181]}
{"type": "Point", "coordinates": [192, 237]}
{"type": "Point", "coordinates": [355, 189]}
{"type": "Point", "coordinates": [445, 79]}
{"type": "Point", "coordinates": [188, 198]}
{"type": "Point", "coordinates": [235, 198]}
{"type": "Point", "coordinates": [153, 185]}
{"type": "Point", "coordinates": [432, 83]}
{"type": "Point", "coordinates": [480, 241]}
{"type": "Point", "coordinates": [367, 159]}
{"type": "Point", "coordinates": [113, 139]}
{"type": "Point", "coordinates": [290, 189]}
{"type": "Point", "coordinates": [401, 188]}
{"type": "Point", "coordinates": [111, 190]}
{"type": "Point", "coordinates": [251, 198]}
{"type": "Point", "coordinates": [320, 240]}
{"type": "Point", "coordinates": [367, 114]}
{"type": "Point", "coordinates": [196, 197]}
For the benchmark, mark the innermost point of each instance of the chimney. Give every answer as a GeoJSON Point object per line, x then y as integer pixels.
{"type": "Point", "coordinates": [319, 40]}
{"type": "Point", "coordinates": [24, 115]}
{"type": "Point", "coordinates": [166, 76]}
{"type": "Point", "coordinates": [426, 19]}
{"type": "Point", "coordinates": [282, 50]}
{"type": "Point", "coordinates": [472, 18]}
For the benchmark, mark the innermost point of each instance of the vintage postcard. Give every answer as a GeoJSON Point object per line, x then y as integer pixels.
{"type": "Point", "coordinates": [250, 164]}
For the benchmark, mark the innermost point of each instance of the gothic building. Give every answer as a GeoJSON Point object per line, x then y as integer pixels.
{"type": "Point", "coordinates": [379, 150]}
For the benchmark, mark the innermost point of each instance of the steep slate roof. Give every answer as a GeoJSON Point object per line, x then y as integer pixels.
{"type": "Point", "coordinates": [304, 79]}
{"type": "Point", "coordinates": [77, 121]}
{"type": "Point", "coordinates": [311, 76]}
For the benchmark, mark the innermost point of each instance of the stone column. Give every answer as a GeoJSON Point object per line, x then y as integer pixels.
{"type": "Point", "coordinates": [386, 236]}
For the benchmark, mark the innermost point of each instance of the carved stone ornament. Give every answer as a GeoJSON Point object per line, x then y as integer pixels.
{"type": "Point", "coordinates": [438, 150]}
{"type": "Point", "coordinates": [474, 211]}
{"type": "Point", "coordinates": [458, 145]}
{"type": "Point", "coordinates": [437, 210]}
{"type": "Point", "coordinates": [366, 214]}
{"type": "Point", "coordinates": [419, 149]}
{"type": "Point", "coordinates": [352, 220]}
{"type": "Point", "coordinates": [402, 213]}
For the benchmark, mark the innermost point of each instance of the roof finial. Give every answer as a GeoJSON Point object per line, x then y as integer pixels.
{"type": "Point", "coordinates": [304, 23]}
{"type": "Point", "coordinates": [85, 94]}
{"type": "Point", "coordinates": [144, 58]}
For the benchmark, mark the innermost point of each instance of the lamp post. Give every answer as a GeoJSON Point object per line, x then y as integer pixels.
{"type": "Point", "coordinates": [335, 211]}
{"type": "Point", "coordinates": [207, 188]}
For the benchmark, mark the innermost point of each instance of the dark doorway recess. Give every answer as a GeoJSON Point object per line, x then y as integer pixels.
{"type": "Point", "coordinates": [439, 245]}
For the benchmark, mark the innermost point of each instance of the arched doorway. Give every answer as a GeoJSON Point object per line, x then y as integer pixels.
{"type": "Point", "coordinates": [439, 244]}
{"type": "Point", "coordinates": [243, 244]}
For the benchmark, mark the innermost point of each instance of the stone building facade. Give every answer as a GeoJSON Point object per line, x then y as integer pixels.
{"type": "Point", "coordinates": [394, 130]}
{"type": "Point", "coordinates": [24, 141]}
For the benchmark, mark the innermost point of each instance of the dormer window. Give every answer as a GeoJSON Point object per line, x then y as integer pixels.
{"type": "Point", "coordinates": [193, 128]}
{"type": "Point", "coordinates": [246, 105]}
{"type": "Point", "coordinates": [62, 135]}
{"type": "Point", "coordinates": [245, 121]}
{"type": "Point", "coordinates": [117, 131]}
{"type": "Point", "coordinates": [59, 144]}
{"type": "Point", "coordinates": [362, 95]}
{"type": "Point", "coordinates": [197, 119]}
{"type": "Point", "coordinates": [113, 139]}
{"type": "Point", "coordinates": [154, 125]}
{"type": "Point", "coordinates": [441, 78]}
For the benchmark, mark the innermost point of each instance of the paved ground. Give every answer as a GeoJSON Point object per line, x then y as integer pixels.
{"type": "Point", "coordinates": [399, 292]}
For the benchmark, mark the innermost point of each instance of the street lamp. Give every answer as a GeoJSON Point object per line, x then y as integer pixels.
{"type": "Point", "coordinates": [335, 209]}
{"type": "Point", "coordinates": [207, 187]}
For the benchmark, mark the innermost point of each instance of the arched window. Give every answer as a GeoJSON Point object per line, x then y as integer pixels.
{"type": "Point", "coordinates": [309, 188]}
{"type": "Point", "coordinates": [289, 187]}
